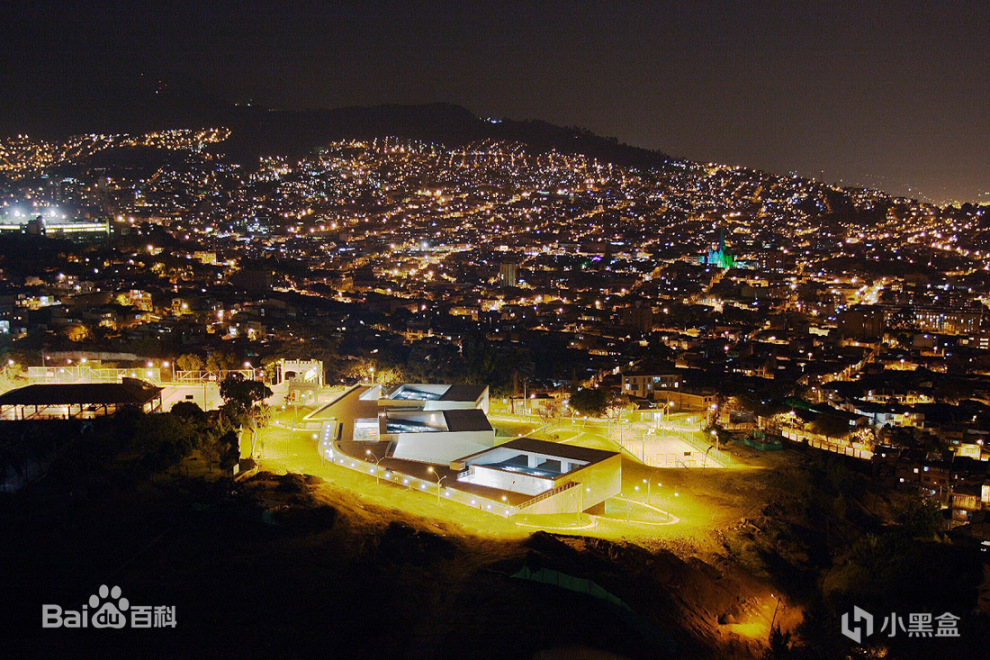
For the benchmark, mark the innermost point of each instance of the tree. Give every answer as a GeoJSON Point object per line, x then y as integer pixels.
{"type": "Point", "coordinates": [952, 391]}
{"type": "Point", "coordinates": [831, 426]}
{"type": "Point", "coordinates": [480, 357]}
{"type": "Point", "coordinates": [219, 362]}
{"type": "Point", "coordinates": [270, 366]}
{"type": "Point", "coordinates": [592, 403]}
{"type": "Point", "coordinates": [213, 451]}
{"type": "Point", "coordinates": [618, 405]}
{"type": "Point", "coordinates": [188, 410]}
{"type": "Point", "coordinates": [550, 411]}
{"type": "Point", "coordinates": [230, 450]}
{"type": "Point", "coordinates": [240, 395]}
{"type": "Point", "coordinates": [10, 369]}
{"type": "Point", "coordinates": [779, 647]}
{"type": "Point", "coordinates": [870, 437]}
{"type": "Point", "coordinates": [388, 376]}
{"type": "Point", "coordinates": [921, 516]}
{"type": "Point", "coordinates": [189, 362]}
{"type": "Point", "coordinates": [243, 403]}
{"type": "Point", "coordinates": [263, 415]}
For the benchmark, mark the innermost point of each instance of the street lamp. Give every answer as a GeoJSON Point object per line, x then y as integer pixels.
{"type": "Point", "coordinates": [664, 414]}
{"type": "Point", "coordinates": [439, 480]}
{"type": "Point", "coordinates": [715, 435]}
{"type": "Point", "coordinates": [668, 502]}
{"type": "Point", "coordinates": [378, 462]}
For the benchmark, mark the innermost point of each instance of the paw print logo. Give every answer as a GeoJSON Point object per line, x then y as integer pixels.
{"type": "Point", "coordinates": [109, 614]}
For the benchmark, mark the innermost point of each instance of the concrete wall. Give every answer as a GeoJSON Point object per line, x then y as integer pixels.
{"type": "Point", "coordinates": [303, 368]}
{"type": "Point", "coordinates": [439, 447]}
{"type": "Point", "coordinates": [425, 486]}
{"type": "Point", "coordinates": [446, 405]}
{"type": "Point", "coordinates": [173, 394]}
{"type": "Point", "coordinates": [594, 484]}
{"type": "Point", "coordinates": [599, 481]}
{"type": "Point", "coordinates": [512, 481]}
{"type": "Point", "coordinates": [567, 501]}
{"type": "Point", "coordinates": [684, 401]}
{"type": "Point", "coordinates": [497, 455]}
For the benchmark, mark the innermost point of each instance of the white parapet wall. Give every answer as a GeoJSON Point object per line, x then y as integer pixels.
{"type": "Point", "coordinates": [511, 481]}
{"type": "Point", "coordinates": [440, 447]}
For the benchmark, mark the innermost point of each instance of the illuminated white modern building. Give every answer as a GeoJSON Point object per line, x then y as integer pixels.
{"type": "Point", "coordinates": [558, 478]}
{"type": "Point", "coordinates": [424, 396]}
{"type": "Point", "coordinates": [438, 438]}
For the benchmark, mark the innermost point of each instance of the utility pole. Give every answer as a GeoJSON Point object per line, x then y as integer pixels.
{"type": "Point", "coordinates": [774, 618]}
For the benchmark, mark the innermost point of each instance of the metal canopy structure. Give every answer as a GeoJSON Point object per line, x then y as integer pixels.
{"type": "Point", "coordinates": [78, 400]}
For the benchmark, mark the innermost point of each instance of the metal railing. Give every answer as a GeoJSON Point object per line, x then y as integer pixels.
{"type": "Point", "coordinates": [87, 374]}
{"type": "Point", "coordinates": [702, 447]}
{"type": "Point", "coordinates": [809, 439]}
{"type": "Point", "coordinates": [544, 495]}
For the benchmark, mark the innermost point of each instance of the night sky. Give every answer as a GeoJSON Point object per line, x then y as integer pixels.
{"type": "Point", "coordinates": [893, 95]}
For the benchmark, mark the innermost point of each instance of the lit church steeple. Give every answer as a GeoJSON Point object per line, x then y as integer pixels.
{"type": "Point", "coordinates": [720, 256]}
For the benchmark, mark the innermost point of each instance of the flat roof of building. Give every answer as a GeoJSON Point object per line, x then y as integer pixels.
{"type": "Point", "coordinates": [470, 419]}
{"type": "Point", "coordinates": [133, 392]}
{"type": "Point", "coordinates": [464, 392]}
{"type": "Point", "coordinates": [346, 408]}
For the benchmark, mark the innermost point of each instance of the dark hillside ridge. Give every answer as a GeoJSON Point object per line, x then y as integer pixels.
{"type": "Point", "coordinates": [260, 131]}
{"type": "Point", "coordinates": [264, 132]}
